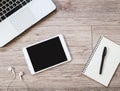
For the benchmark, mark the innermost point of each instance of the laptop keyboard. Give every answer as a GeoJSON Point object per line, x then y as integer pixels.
{"type": "Point", "coordinates": [8, 7]}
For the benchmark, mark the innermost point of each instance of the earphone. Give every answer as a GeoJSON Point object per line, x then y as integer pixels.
{"type": "Point", "coordinates": [12, 69]}
{"type": "Point", "coordinates": [20, 74]}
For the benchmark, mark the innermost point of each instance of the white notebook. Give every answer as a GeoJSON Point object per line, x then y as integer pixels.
{"type": "Point", "coordinates": [110, 65]}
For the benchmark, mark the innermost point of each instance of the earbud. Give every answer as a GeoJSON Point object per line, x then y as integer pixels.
{"type": "Point", "coordinates": [21, 75]}
{"type": "Point", "coordinates": [11, 69]}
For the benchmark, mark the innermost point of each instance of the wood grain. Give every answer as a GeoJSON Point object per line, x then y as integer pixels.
{"type": "Point", "coordinates": [86, 12]}
{"type": "Point", "coordinates": [81, 22]}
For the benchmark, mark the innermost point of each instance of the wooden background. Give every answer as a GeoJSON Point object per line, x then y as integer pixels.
{"type": "Point", "coordinates": [81, 22]}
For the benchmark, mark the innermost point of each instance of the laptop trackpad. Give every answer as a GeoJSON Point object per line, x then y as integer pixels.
{"type": "Point", "coordinates": [23, 20]}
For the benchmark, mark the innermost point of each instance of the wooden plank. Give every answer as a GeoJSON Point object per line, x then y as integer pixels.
{"type": "Point", "coordinates": [85, 12]}
{"type": "Point", "coordinates": [112, 32]}
{"type": "Point", "coordinates": [65, 89]}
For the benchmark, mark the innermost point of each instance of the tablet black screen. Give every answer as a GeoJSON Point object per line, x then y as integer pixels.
{"type": "Point", "coordinates": [46, 54]}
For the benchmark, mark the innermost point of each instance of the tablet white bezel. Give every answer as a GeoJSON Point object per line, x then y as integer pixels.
{"type": "Point", "coordinates": [29, 63]}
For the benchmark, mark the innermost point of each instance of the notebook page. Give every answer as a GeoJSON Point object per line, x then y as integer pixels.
{"type": "Point", "coordinates": [110, 65]}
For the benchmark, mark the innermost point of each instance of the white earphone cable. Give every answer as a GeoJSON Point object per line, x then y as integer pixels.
{"type": "Point", "coordinates": [21, 78]}
{"type": "Point", "coordinates": [11, 81]}
{"type": "Point", "coordinates": [26, 86]}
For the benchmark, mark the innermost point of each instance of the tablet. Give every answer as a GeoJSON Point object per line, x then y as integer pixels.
{"type": "Point", "coordinates": [46, 54]}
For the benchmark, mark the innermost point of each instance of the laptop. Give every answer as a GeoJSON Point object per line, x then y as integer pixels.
{"type": "Point", "coordinates": [18, 15]}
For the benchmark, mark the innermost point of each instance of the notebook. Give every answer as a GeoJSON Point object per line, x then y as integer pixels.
{"type": "Point", "coordinates": [110, 65]}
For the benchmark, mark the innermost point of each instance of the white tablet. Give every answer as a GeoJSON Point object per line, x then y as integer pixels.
{"type": "Point", "coordinates": [46, 54]}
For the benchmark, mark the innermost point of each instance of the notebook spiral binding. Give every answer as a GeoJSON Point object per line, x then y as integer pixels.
{"type": "Point", "coordinates": [92, 54]}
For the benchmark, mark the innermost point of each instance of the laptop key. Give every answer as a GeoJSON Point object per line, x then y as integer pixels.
{"type": "Point", "coordinates": [28, 0]}
{"type": "Point", "coordinates": [3, 17]}
{"type": "Point", "coordinates": [7, 9]}
{"type": "Point", "coordinates": [4, 11]}
{"type": "Point", "coordinates": [7, 5]}
{"type": "Point", "coordinates": [18, 2]}
{"type": "Point", "coordinates": [3, 7]}
{"type": "Point", "coordinates": [23, 3]}
{"type": "Point", "coordinates": [10, 2]}
{"type": "Point", "coordinates": [4, 2]}
{"type": "Point", "coordinates": [14, 4]}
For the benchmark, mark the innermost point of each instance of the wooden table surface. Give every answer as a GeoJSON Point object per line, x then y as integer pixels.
{"type": "Point", "coordinates": [81, 22]}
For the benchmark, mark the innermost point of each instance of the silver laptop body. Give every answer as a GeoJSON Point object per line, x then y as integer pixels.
{"type": "Point", "coordinates": [18, 15]}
